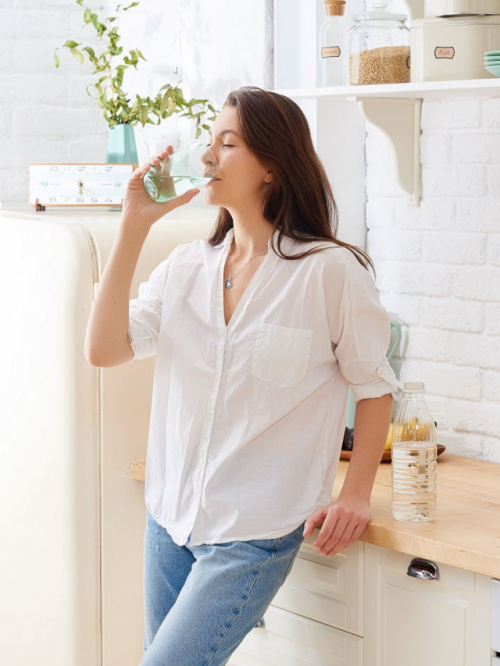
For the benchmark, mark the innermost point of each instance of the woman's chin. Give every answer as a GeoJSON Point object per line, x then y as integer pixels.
{"type": "Point", "coordinates": [210, 199]}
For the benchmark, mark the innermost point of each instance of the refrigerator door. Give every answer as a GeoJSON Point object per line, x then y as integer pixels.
{"type": "Point", "coordinates": [49, 438]}
{"type": "Point", "coordinates": [125, 411]}
{"type": "Point", "coordinates": [71, 571]}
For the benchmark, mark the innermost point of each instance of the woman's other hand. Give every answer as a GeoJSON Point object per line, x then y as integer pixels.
{"type": "Point", "coordinates": [138, 208]}
{"type": "Point", "coordinates": [343, 523]}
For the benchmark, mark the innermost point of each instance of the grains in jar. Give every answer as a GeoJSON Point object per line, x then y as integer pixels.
{"type": "Point", "coordinates": [386, 64]}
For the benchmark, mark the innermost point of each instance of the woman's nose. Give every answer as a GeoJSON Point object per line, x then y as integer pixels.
{"type": "Point", "coordinates": [210, 162]}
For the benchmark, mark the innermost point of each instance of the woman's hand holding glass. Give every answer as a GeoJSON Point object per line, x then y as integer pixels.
{"type": "Point", "coordinates": [138, 209]}
{"type": "Point", "coordinates": [191, 165]}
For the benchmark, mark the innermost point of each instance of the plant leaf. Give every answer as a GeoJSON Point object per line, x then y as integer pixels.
{"type": "Point", "coordinates": [77, 54]}
{"type": "Point", "coordinates": [107, 91]}
{"type": "Point", "coordinates": [164, 103]}
{"type": "Point", "coordinates": [87, 89]}
{"type": "Point", "coordinates": [90, 52]}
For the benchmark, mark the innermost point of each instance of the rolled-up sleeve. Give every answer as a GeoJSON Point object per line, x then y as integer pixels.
{"type": "Point", "coordinates": [145, 312]}
{"type": "Point", "coordinates": [361, 331]}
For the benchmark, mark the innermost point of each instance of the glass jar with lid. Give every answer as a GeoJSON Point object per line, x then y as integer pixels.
{"type": "Point", "coordinates": [379, 47]}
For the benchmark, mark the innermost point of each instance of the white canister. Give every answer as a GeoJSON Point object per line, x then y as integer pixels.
{"type": "Point", "coordinates": [460, 7]}
{"type": "Point", "coordinates": [450, 49]}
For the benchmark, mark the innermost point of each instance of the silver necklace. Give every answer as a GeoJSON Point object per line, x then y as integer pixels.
{"type": "Point", "coordinates": [229, 282]}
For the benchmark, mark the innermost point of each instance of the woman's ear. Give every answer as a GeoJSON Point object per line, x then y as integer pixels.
{"type": "Point", "coordinates": [268, 177]}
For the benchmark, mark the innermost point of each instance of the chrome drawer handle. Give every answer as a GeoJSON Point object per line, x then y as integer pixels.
{"type": "Point", "coordinates": [260, 624]}
{"type": "Point", "coordinates": [425, 569]}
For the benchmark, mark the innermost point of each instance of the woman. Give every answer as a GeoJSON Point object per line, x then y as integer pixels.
{"type": "Point", "coordinates": [258, 332]}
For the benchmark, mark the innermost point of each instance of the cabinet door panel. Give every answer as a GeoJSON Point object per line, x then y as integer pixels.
{"type": "Point", "coordinates": [411, 621]}
{"type": "Point", "coordinates": [291, 640]}
{"type": "Point", "coordinates": [326, 589]}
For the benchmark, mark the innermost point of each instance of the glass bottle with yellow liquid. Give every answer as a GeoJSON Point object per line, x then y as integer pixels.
{"type": "Point", "coordinates": [414, 458]}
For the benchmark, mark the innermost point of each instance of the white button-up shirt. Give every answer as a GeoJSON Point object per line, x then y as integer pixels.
{"type": "Point", "coordinates": [248, 419]}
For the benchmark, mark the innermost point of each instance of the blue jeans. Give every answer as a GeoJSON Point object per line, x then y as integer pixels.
{"type": "Point", "coordinates": [201, 601]}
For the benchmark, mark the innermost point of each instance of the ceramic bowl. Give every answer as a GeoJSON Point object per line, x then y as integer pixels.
{"type": "Point", "coordinates": [493, 69]}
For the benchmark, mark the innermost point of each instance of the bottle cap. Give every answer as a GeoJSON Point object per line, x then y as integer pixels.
{"type": "Point", "coordinates": [334, 7]}
{"type": "Point", "coordinates": [414, 386]}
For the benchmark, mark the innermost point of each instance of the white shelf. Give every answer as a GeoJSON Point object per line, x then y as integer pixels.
{"type": "Point", "coordinates": [396, 110]}
{"type": "Point", "coordinates": [423, 90]}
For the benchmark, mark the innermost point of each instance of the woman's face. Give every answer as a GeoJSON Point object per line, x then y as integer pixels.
{"type": "Point", "coordinates": [242, 179]}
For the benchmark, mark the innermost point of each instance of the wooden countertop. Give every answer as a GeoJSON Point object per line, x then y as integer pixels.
{"type": "Point", "coordinates": [466, 530]}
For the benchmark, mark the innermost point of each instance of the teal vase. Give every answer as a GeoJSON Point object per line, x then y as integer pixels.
{"type": "Point", "coordinates": [121, 145]}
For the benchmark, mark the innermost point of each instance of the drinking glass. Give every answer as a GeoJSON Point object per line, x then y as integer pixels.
{"type": "Point", "coordinates": [192, 165]}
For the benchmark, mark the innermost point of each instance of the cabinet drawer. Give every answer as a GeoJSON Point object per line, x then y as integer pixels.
{"type": "Point", "coordinates": [328, 590]}
{"type": "Point", "coordinates": [291, 640]}
{"type": "Point", "coordinates": [415, 622]}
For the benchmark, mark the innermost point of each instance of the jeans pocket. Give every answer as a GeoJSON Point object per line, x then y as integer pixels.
{"type": "Point", "coordinates": [293, 542]}
{"type": "Point", "coordinates": [292, 560]}
{"type": "Point", "coordinates": [268, 545]}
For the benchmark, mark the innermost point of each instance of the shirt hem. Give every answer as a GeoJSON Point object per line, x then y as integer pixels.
{"type": "Point", "coordinates": [211, 542]}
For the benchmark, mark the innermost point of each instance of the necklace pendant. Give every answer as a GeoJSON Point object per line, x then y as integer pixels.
{"type": "Point", "coordinates": [228, 284]}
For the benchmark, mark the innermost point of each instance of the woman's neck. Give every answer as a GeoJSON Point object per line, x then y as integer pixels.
{"type": "Point", "coordinates": [249, 239]}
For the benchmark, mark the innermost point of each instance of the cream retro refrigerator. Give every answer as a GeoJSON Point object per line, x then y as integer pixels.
{"type": "Point", "coordinates": [71, 517]}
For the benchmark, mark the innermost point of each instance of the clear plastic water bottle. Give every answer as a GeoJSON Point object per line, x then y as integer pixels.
{"type": "Point", "coordinates": [414, 457]}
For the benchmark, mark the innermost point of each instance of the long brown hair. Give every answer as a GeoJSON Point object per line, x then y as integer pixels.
{"type": "Point", "coordinates": [299, 201]}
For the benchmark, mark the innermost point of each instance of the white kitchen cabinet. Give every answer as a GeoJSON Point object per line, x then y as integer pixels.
{"type": "Point", "coordinates": [316, 617]}
{"type": "Point", "coordinates": [292, 640]}
{"type": "Point", "coordinates": [415, 622]}
{"type": "Point", "coordinates": [328, 590]}
{"type": "Point", "coordinates": [362, 608]}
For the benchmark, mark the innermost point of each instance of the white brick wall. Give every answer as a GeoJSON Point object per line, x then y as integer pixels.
{"type": "Point", "coordinates": [46, 114]}
{"type": "Point", "coordinates": [438, 266]}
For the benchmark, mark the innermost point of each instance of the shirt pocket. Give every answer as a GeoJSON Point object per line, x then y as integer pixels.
{"type": "Point", "coordinates": [281, 355]}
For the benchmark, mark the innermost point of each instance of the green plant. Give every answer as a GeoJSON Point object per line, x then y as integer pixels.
{"type": "Point", "coordinates": [117, 107]}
